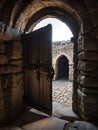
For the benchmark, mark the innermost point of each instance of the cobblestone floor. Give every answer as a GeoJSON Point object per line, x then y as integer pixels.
{"type": "Point", "coordinates": [62, 92]}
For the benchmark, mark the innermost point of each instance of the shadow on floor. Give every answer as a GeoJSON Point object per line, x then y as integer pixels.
{"type": "Point", "coordinates": [29, 117]}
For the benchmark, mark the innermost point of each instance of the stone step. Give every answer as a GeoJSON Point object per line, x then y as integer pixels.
{"type": "Point", "coordinates": [50, 123]}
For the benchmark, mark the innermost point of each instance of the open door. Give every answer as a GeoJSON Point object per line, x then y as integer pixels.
{"type": "Point", "coordinates": [37, 69]}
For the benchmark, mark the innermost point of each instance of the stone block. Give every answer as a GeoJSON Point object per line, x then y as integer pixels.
{"type": "Point", "coordinates": [93, 7]}
{"type": "Point", "coordinates": [90, 106]}
{"type": "Point", "coordinates": [13, 102]}
{"type": "Point", "coordinates": [89, 2]}
{"type": "Point", "coordinates": [90, 112]}
{"type": "Point", "coordinates": [1, 93]}
{"type": "Point", "coordinates": [8, 33]}
{"type": "Point", "coordinates": [12, 94]}
{"type": "Point", "coordinates": [3, 59]}
{"type": "Point", "coordinates": [5, 79]}
{"type": "Point", "coordinates": [17, 80]}
{"type": "Point", "coordinates": [16, 102]}
{"type": "Point", "coordinates": [1, 3]}
{"type": "Point", "coordinates": [81, 94]}
{"type": "Point", "coordinates": [92, 74]}
{"type": "Point", "coordinates": [16, 62]}
{"type": "Point", "coordinates": [12, 80]}
{"type": "Point", "coordinates": [2, 47]}
{"type": "Point", "coordinates": [90, 90]}
{"type": "Point", "coordinates": [86, 66]}
{"type": "Point", "coordinates": [80, 77]}
{"type": "Point", "coordinates": [88, 98]}
{"type": "Point", "coordinates": [0, 84]}
{"type": "Point", "coordinates": [94, 15]}
{"type": "Point", "coordinates": [86, 26]}
{"type": "Point", "coordinates": [91, 56]}
{"type": "Point", "coordinates": [87, 43]}
{"type": "Point", "coordinates": [96, 32]}
{"type": "Point", "coordinates": [3, 113]}
{"type": "Point", "coordinates": [87, 117]}
{"type": "Point", "coordinates": [12, 33]}
{"type": "Point", "coordinates": [14, 49]}
{"type": "Point", "coordinates": [88, 82]}
{"type": "Point", "coordinates": [10, 69]}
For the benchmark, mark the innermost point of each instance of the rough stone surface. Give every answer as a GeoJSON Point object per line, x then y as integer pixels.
{"type": "Point", "coordinates": [86, 66]}
{"type": "Point", "coordinates": [11, 81]}
{"type": "Point", "coordinates": [96, 32]}
{"type": "Point", "coordinates": [94, 16]}
{"type": "Point", "coordinates": [2, 47]}
{"type": "Point", "coordinates": [10, 69]}
{"type": "Point", "coordinates": [88, 82]}
{"type": "Point", "coordinates": [87, 43]}
{"type": "Point", "coordinates": [3, 59]}
{"type": "Point", "coordinates": [92, 56]}
{"type": "Point", "coordinates": [14, 49]}
{"type": "Point", "coordinates": [16, 62]}
{"type": "Point", "coordinates": [7, 33]}
{"type": "Point", "coordinates": [86, 26]}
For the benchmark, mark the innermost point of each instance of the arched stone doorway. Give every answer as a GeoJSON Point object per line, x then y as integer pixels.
{"type": "Point", "coordinates": [79, 15]}
{"type": "Point", "coordinates": [62, 68]}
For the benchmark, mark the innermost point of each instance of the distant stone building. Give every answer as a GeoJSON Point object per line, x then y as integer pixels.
{"type": "Point", "coordinates": [62, 59]}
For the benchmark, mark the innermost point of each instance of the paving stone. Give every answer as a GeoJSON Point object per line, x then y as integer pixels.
{"type": "Point", "coordinates": [62, 92]}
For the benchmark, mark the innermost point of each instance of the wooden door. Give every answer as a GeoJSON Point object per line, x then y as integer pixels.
{"type": "Point", "coordinates": [37, 69]}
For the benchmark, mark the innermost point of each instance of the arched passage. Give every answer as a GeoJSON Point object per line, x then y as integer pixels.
{"type": "Point", "coordinates": [62, 68]}
{"type": "Point", "coordinates": [21, 14]}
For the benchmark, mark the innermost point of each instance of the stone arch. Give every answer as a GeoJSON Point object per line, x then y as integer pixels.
{"type": "Point", "coordinates": [85, 52]}
{"type": "Point", "coordinates": [54, 12]}
{"type": "Point", "coordinates": [62, 67]}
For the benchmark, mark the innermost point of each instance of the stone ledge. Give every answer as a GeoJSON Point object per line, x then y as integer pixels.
{"type": "Point", "coordinates": [7, 33]}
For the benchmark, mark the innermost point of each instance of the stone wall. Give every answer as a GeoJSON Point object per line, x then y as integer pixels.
{"type": "Point", "coordinates": [87, 78]}
{"type": "Point", "coordinates": [60, 48]}
{"type": "Point", "coordinates": [11, 80]}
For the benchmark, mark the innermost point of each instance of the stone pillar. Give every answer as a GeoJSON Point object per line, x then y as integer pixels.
{"type": "Point", "coordinates": [11, 80]}
{"type": "Point", "coordinates": [87, 79]}
{"type": "Point", "coordinates": [74, 96]}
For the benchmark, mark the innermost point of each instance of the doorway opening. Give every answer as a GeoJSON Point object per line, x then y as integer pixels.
{"type": "Point", "coordinates": [62, 56]}
{"type": "Point", "coordinates": [62, 68]}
